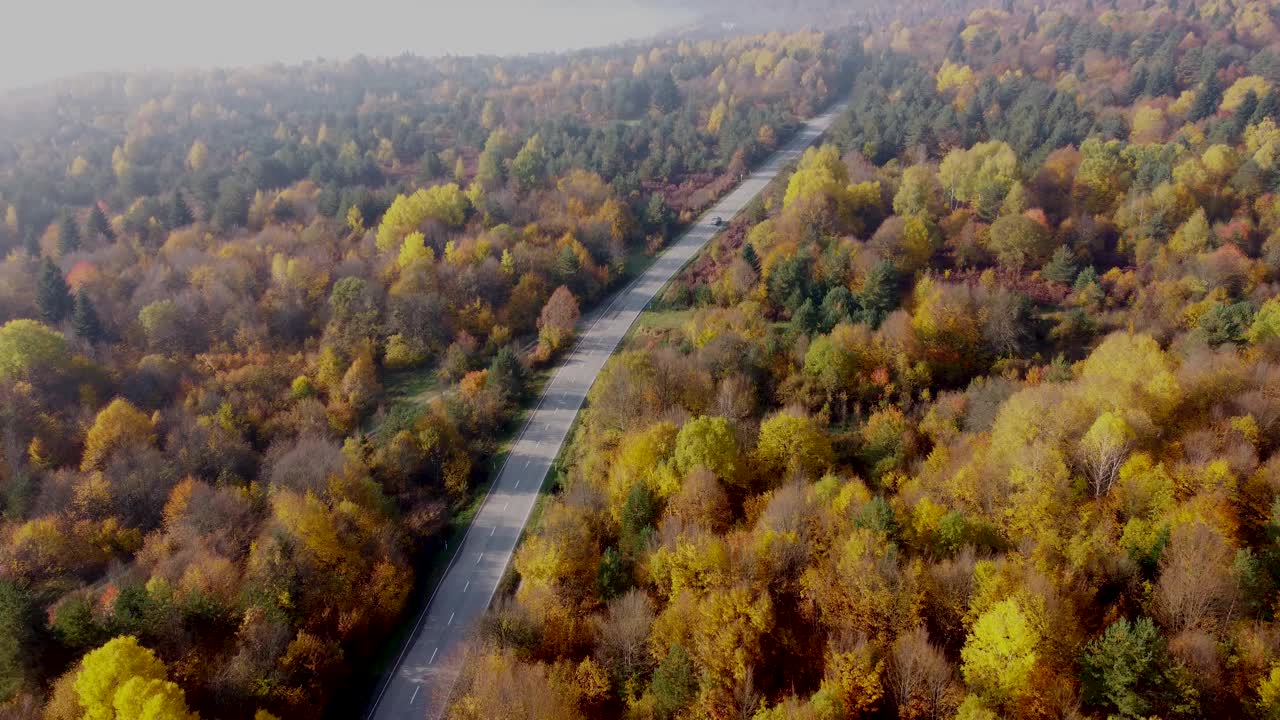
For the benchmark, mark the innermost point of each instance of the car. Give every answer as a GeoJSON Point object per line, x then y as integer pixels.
{"type": "Point", "coordinates": [717, 221]}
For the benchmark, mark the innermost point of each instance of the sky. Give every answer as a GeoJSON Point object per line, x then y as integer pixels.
{"type": "Point", "coordinates": [48, 39]}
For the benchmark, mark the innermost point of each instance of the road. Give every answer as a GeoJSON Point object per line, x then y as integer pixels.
{"type": "Point", "coordinates": [430, 662]}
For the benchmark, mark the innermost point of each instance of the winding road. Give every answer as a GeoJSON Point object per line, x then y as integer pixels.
{"type": "Point", "coordinates": [430, 662]}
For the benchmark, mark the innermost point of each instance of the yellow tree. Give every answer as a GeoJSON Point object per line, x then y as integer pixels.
{"type": "Point", "coordinates": [708, 442]}
{"type": "Point", "coordinates": [1001, 652]}
{"type": "Point", "coordinates": [124, 681]}
{"type": "Point", "coordinates": [118, 425]}
{"type": "Point", "coordinates": [792, 443]}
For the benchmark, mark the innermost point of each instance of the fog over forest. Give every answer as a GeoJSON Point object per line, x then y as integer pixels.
{"type": "Point", "coordinates": [157, 34]}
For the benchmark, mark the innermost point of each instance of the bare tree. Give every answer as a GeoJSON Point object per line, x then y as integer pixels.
{"type": "Point", "coordinates": [623, 646]}
{"type": "Point", "coordinates": [1103, 449]}
{"type": "Point", "coordinates": [1197, 588]}
{"type": "Point", "coordinates": [919, 677]}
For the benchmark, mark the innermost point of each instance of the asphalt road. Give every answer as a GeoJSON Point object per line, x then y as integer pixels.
{"type": "Point", "coordinates": [429, 664]}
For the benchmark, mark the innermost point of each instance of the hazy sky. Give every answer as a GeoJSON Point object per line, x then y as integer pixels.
{"type": "Point", "coordinates": [46, 39]}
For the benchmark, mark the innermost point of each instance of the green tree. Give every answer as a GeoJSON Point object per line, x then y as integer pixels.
{"type": "Point", "coordinates": [84, 318]}
{"type": "Point", "coordinates": [29, 346]}
{"type": "Point", "coordinates": [1208, 97]}
{"type": "Point", "coordinates": [1265, 327]}
{"type": "Point", "coordinates": [19, 619]}
{"type": "Point", "coordinates": [529, 165]}
{"type": "Point", "coordinates": [612, 579]}
{"type": "Point", "coordinates": [1129, 673]}
{"type": "Point", "coordinates": [708, 442]}
{"type": "Point", "coordinates": [53, 298]}
{"type": "Point", "coordinates": [638, 514]}
{"type": "Point", "coordinates": [97, 225]}
{"type": "Point", "coordinates": [674, 683]}
{"type": "Point", "coordinates": [1061, 267]}
{"type": "Point", "coordinates": [179, 215]}
{"type": "Point", "coordinates": [879, 295]}
{"type": "Point", "coordinates": [68, 235]}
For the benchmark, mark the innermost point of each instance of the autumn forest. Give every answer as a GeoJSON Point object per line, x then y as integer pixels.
{"type": "Point", "coordinates": [969, 415]}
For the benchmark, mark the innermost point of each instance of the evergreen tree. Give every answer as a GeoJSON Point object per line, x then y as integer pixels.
{"type": "Point", "coordinates": [638, 513]}
{"type": "Point", "coordinates": [179, 213]}
{"type": "Point", "coordinates": [97, 225]}
{"type": "Point", "coordinates": [1137, 84]}
{"type": "Point", "coordinates": [1032, 26]}
{"type": "Point", "coordinates": [1207, 98]}
{"type": "Point", "coordinates": [657, 215]}
{"type": "Point", "coordinates": [612, 576]}
{"type": "Point", "coordinates": [1268, 107]}
{"type": "Point", "coordinates": [52, 296]}
{"type": "Point", "coordinates": [567, 265]}
{"type": "Point", "coordinates": [1160, 81]}
{"type": "Point", "coordinates": [85, 318]}
{"type": "Point", "coordinates": [1061, 268]}
{"type": "Point", "coordinates": [329, 201]}
{"type": "Point", "coordinates": [1128, 671]}
{"type": "Point", "coordinates": [749, 254]}
{"type": "Point", "coordinates": [879, 293]}
{"type": "Point", "coordinates": [68, 235]}
{"type": "Point", "coordinates": [1244, 111]}
{"type": "Point", "coordinates": [430, 167]}
{"type": "Point", "coordinates": [806, 318]}
{"type": "Point", "coordinates": [675, 682]}
{"type": "Point", "coordinates": [506, 373]}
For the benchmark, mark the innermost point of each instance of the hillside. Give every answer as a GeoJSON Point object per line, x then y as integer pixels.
{"type": "Point", "coordinates": [973, 416]}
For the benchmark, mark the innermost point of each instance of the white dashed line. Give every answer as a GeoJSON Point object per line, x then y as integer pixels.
{"type": "Point", "coordinates": [464, 587]}
{"type": "Point", "coordinates": [478, 558]}
{"type": "Point", "coordinates": [415, 694]}
{"type": "Point", "coordinates": [495, 527]}
{"type": "Point", "coordinates": [450, 618]}
{"type": "Point", "coordinates": [433, 656]}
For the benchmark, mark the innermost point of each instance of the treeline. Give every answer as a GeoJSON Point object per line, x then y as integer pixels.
{"type": "Point", "coordinates": [210, 502]}
{"type": "Point", "coordinates": [972, 417]}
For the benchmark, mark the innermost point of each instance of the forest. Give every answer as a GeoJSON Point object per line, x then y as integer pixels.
{"type": "Point", "coordinates": [974, 415]}
{"type": "Point", "coordinates": [264, 331]}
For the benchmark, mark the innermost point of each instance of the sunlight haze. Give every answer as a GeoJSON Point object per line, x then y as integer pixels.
{"type": "Point", "coordinates": [69, 37]}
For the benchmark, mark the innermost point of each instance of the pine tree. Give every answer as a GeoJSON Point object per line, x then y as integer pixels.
{"type": "Point", "coordinates": [68, 236]}
{"type": "Point", "coordinates": [1268, 107]}
{"type": "Point", "coordinates": [179, 213]}
{"type": "Point", "coordinates": [85, 319]}
{"type": "Point", "coordinates": [1061, 268]}
{"type": "Point", "coordinates": [1137, 84]}
{"type": "Point", "coordinates": [1244, 111]}
{"type": "Point", "coordinates": [97, 224]}
{"type": "Point", "coordinates": [52, 296]}
{"type": "Point", "coordinates": [879, 293]}
{"type": "Point", "coordinates": [1032, 26]}
{"type": "Point", "coordinates": [1207, 98]}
